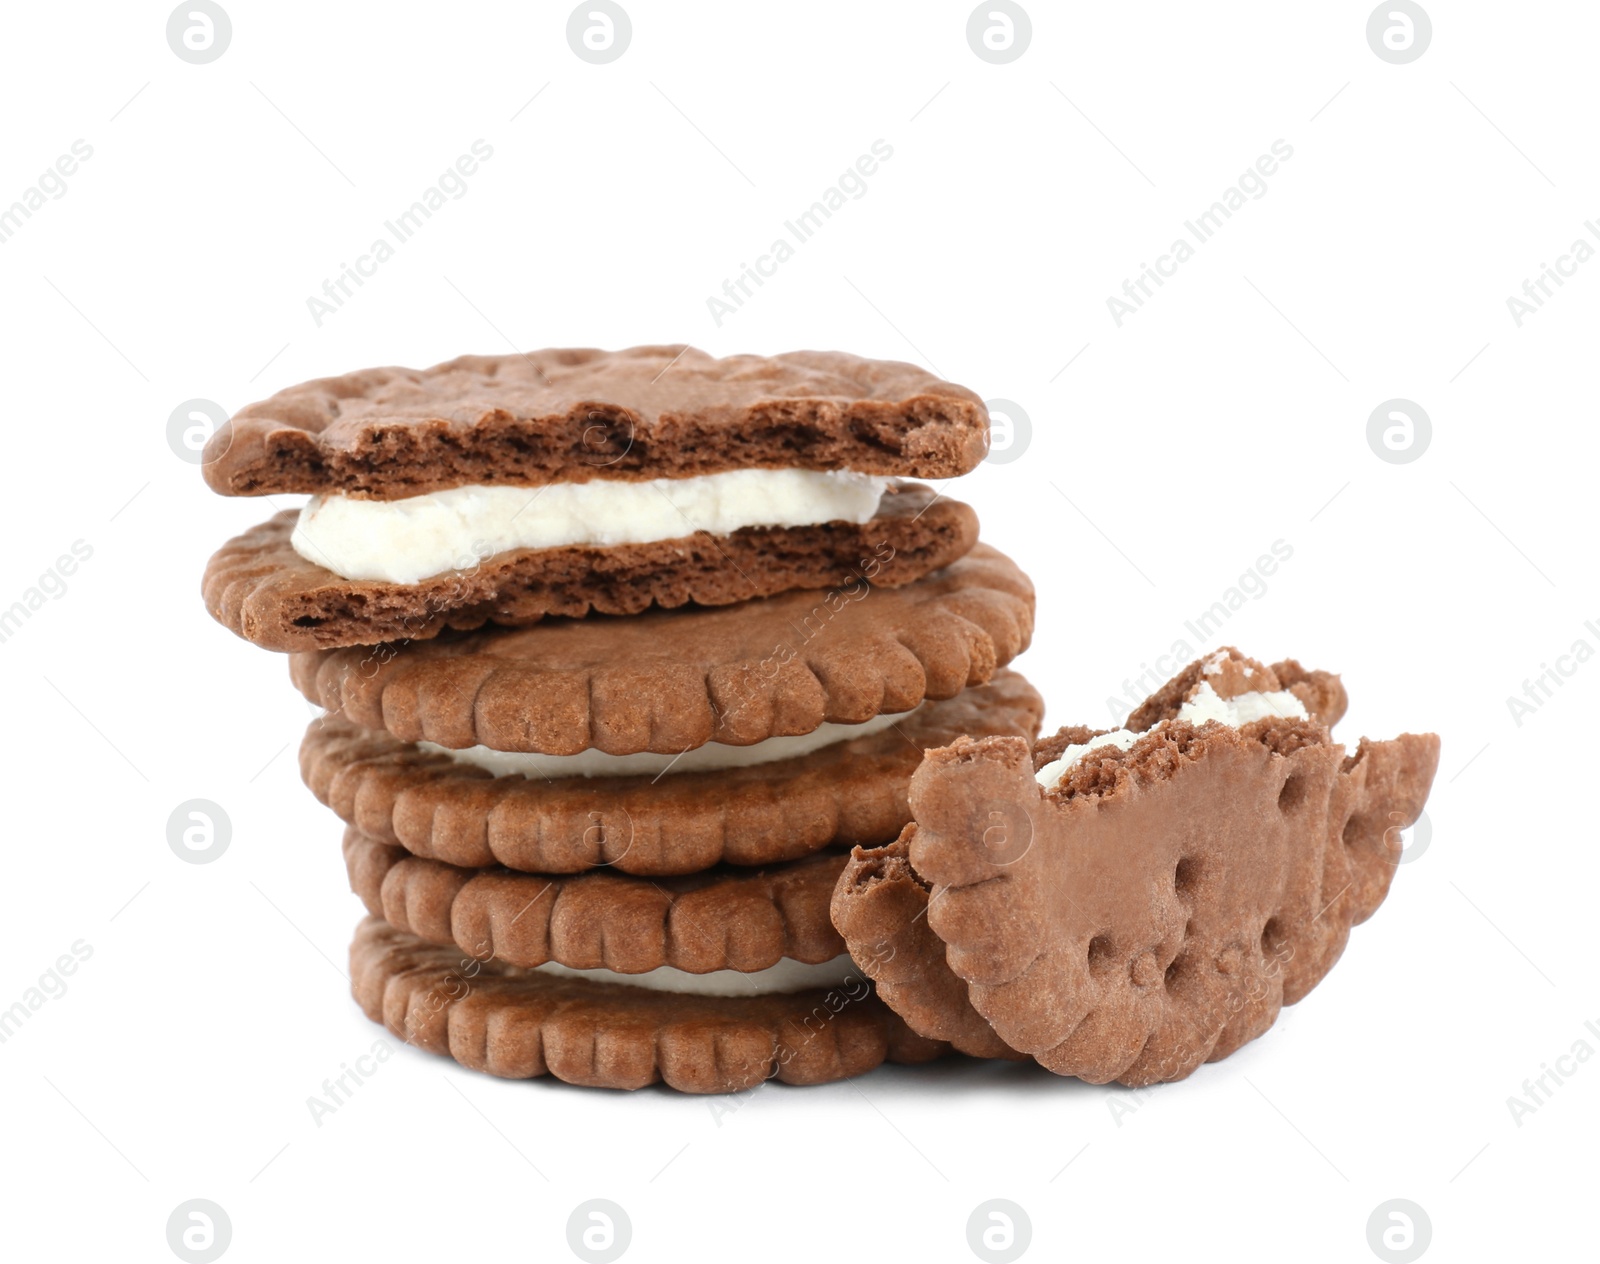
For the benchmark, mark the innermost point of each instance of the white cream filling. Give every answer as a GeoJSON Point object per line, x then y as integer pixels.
{"type": "Point", "coordinates": [1207, 706]}
{"type": "Point", "coordinates": [404, 541]}
{"type": "Point", "coordinates": [713, 755]}
{"type": "Point", "coordinates": [787, 976]}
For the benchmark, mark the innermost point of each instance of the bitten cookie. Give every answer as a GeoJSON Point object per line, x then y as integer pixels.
{"type": "Point", "coordinates": [526, 1023]}
{"type": "Point", "coordinates": [668, 681]}
{"type": "Point", "coordinates": [649, 814]}
{"type": "Point", "coordinates": [1128, 905]}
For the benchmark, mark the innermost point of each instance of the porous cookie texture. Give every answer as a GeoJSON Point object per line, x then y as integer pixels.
{"type": "Point", "coordinates": [520, 1024]}
{"type": "Point", "coordinates": [1153, 911]}
{"type": "Point", "coordinates": [670, 680]}
{"type": "Point", "coordinates": [720, 919]}
{"type": "Point", "coordinates": [259, 588]}
{"type": "Point", "coordinates": [577, 414]}
{"type": "Point", "coordinates": [851, 792]}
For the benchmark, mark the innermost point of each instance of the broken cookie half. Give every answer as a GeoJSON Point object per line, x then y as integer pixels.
{"type": "Point", "coordinates": [1127, 905]}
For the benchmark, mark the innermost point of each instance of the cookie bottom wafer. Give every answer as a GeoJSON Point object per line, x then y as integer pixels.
{"type": "Point", "coordinates": [520, 1024]}
{"type": "Point", "coordinates": [260, 588]}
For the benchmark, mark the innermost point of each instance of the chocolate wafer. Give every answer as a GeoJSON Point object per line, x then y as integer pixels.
{"type": "Point", "coordinates": [669, 822]}
{"type": "Point", "coordinates": [526, 1023]}
{"type": "Point", "coordinates": [262, 589]}
{"type": "Point", "coordinates": [670, 680]}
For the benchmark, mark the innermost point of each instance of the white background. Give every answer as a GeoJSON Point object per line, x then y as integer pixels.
{"type": "Point", "coordinates": [1229, 413]}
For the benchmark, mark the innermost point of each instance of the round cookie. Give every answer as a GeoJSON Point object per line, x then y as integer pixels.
{"type": "Point", "coordinates": [261, 589]}
{"type": "Point", "coordinates": [720, 919]}
{"type": "Point", "coordinates": [520, 1024]}
{"type": "Point", "coordinates": [851, 792]}
{"type": "Point", "coordinates": [669, 680]}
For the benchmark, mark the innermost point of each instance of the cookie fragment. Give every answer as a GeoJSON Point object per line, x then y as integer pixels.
{"type": "Point", "coordinates": [670, 680]}
{"type": "Point", "coordinates": [260, 588]}
{"type": "Point", "coordinates": [577, 414]}
{"type": "Point", "coordinates": [441, 809]}
{"type": "Point", "coordinates": [1232, 673]}
{"type": "Point", "coordinates": [880, 907]}
{"type": "Point", "coordinates": [1156, 907]}
{"type": "Point", "coordinates": [521, 1024]}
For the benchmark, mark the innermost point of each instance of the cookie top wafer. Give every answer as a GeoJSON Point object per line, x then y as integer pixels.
{"type": "Point", "coordinates": [669, 681]}
{"type": "Point", "coordinates": [1130, 912]}
{"type": "Point", "coordinates": [523, 1023]}
{"type": "Point", "coordinates": [258, 586]}
{"type": "Point", "coordinates": [723, 918]}
{"type": "Point", "coordinates": [578, 414]}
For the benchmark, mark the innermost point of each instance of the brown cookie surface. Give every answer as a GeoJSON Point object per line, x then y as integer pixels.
{"type": "Point", "coordinates": [521, 1024]}
{"type": "Point", "coordinates": [1154, 911]}
{"type": "Point", "coordinates": [880, 907]}
{"type": "Point", "coordinates": [679, 823]}
{"type": "Point", "coordinates": [259, 588]}
{"type": "Point", "coordinates": [670, 680]}
{"type": "Point", "coordinates": [577, 414]}
{"type": "Point", "coordinates": [719, 919]}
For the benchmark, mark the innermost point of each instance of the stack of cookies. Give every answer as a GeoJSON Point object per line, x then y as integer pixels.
{"type": "Point", "coordinates": [620, 655]}
{"type": "Point", "coordinates": [673, 736]}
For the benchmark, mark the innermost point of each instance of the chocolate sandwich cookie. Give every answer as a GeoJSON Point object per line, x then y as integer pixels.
{"type": "Point", "coordinates": [1128, 905]}
{"type": "Point", "coordinates": [627, 1031]}
{"type": "Point", "coordinates": [660, 814]}
{"type": "Point", "coordinates": [506, 488]}
{"type": "Point", "coordinates": [668, 681]}
{"type": "Point", "coordinates": [261, 586]}
{"type": "Point", "coordinates": [720, 919]}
